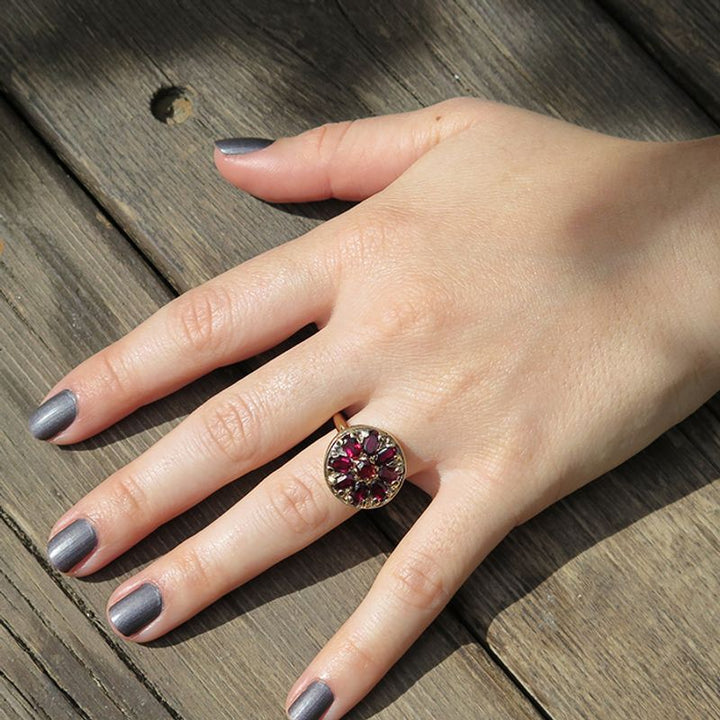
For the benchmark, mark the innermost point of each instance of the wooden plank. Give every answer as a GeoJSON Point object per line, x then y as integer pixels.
{"type": "Point", "coordinates": [682, 36]}
{"type": "Point", "coordinates": [85, 72]}
{"type": "Point", "coordinates": [612, 591]}
{"type": "Point", "coordinates": [70, 284]}
{"type": "Point", "coordinates": [299, 65]}
{"type": "Point", "coordinates": [53, 639]}
{"type": "Point", "coordinates": [27, 689]}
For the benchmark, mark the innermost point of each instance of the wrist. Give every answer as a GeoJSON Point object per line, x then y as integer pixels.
{"type": "Point", "coordinates": [691, 190]}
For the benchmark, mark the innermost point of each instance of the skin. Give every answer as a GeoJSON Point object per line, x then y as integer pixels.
{"type": "Point", "coordinates": [524, 303]}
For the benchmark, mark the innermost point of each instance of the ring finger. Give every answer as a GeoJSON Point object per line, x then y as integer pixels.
{"type": "Point", "coordinates": [287, 511]}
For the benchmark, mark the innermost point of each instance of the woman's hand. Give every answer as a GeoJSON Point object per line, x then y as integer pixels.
{"type": "Point", "coordinates": [523, 303]}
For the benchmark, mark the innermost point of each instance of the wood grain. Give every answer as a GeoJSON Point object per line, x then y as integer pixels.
{"type": "Point", "coordinates": [70, 283]}
{"type": "Point", "coordinates": [682, 36]}
{"type": "Point", "coordinates": [83, 73]}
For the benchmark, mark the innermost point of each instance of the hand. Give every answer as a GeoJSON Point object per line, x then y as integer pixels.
{"type": "Point", "coordinates": [523, 303]}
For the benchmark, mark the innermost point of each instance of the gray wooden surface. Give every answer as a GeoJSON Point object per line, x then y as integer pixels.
{"type": "Point", "coordinates": [604, 606]}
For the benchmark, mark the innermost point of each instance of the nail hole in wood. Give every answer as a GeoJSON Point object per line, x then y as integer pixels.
{"type": "Point", "coordinates": [171, 105]}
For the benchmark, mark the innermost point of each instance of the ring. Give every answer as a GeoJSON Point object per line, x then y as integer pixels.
{"type": "Point", "coordinates": [364, 465]}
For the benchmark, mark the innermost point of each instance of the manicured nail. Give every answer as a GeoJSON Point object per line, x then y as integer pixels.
{"type": "Point", "coordinates": [312, 702]}
{"type": "Point", "coordinates": [242, 146]}
{"type": "Point", "coordinates": [54, 415]}
{"type": "Point", "coordinates": [67, 548]}
{"type": "Point", "coordinates": [137, 609]}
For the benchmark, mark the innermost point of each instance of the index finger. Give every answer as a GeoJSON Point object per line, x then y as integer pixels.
{"type": "Point", "coordinates": [238, 314]}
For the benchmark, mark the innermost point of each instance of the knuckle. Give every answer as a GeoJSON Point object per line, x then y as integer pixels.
{"type": "Point", "coordinates": [117, 375]}
{"type": "Point", "coordinates": [326, 139]}
{"type": "Point", "coordinates": [354, 655]}
{"type": "Point", "coordinates": [418, 581]}
{"type": "Point", "coordinates": [130, 497]}
{"type": "Point", "coordinates": [294, 503]}
{"type": "Point", "coordinates": [369, 239]}
{"type": "Point", "coordinates": [195, 568]}
{"type": "Point", "coordinates": [413, 312]}
{"type": "Point", "coordinates": [463, 105]}
{"type": "Point", "coordinates": [202, 317]}
{"type": "Point", "coordinates": [230, 429]}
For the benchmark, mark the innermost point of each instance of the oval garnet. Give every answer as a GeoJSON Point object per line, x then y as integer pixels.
{"type": "Point", "coordinates": [345, 483]}
{"type": "Point", "coordinates": [340, 463]}
{"type": "Point", "coordinates": [371, 443]}
{"type": "Point", "coordinates": [387, 454]}
{"type": "Point", "coordinates": [360, 492]}
{"type": "Point", "coordinates": [389, 474]}
{"type": "Point", "coordinates": [352, 447]}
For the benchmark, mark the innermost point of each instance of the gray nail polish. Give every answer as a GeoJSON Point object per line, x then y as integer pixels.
{"type": "Point", "coordinates": [137, 609]}
{"type": "Point", "coordinates": [242, 146]}
{"type": "Point", "coordinates": [54, 415]}
{"type": "Point", "coordinates": [67, 548]}
{"type": "Point", "coordinates": [312, 702]}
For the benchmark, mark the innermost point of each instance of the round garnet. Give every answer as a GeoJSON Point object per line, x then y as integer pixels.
{"type": "Point", "coordinates": [366, 471]}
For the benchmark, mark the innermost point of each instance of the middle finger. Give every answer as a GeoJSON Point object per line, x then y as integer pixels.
{"type": "Point", "coordinates": [246, 425]}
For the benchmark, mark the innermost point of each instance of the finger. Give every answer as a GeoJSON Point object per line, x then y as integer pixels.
{"type": "Point", "coordinates": [234, 316]}
{"type": "Point", "coordinates": [349, 160]}
{"type": "Point", "coordinates": [284, 513]}
{"type": "Point", "coordinates": [434, 558]}
{"type": "Point", "coordinates": [243, 427]}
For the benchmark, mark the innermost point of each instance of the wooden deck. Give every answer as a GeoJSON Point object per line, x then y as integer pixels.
{"type": "Point", "coordinates": [604, 606]}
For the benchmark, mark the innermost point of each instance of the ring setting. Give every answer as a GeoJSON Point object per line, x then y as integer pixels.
{"type": "Point", "coordinates": [364, 466]}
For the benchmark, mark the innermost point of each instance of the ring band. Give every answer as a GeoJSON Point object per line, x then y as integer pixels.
{"type": "Point", "coordinates": [364, 466]}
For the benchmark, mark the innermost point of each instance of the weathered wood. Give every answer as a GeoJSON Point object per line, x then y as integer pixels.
{"type": "Point", "coordinates": [84, 73]}
{"type": "Point", "coordinates": [682, 35]}
{"type": "Point", "coordinates": [70, 283]}
{"type": "Point", "coordinates": [616, 584]}
{"type": "Point", "coordinates": [51, 634]}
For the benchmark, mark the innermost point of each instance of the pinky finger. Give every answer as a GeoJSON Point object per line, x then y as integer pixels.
{"type": "Point", "coordinates": [434, 558]}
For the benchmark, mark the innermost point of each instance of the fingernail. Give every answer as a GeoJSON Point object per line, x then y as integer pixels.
{"type": "Point", "coordinates": [312, 702]}
{"type": "Point", "coordinates": [67, 548]}
{"type": "Point", "coordinates": [54, 415]}
{"type": "Point", "coordinates": [242, 146]}
{"type": "Point", "coordinates": [137, 609]}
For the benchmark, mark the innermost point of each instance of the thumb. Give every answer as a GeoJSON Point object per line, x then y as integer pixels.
{"type": "Point", "coordinates": [347, 160]}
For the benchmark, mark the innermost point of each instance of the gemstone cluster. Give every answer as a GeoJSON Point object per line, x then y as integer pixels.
{"type": "Point", "coordinates": [364, 466]}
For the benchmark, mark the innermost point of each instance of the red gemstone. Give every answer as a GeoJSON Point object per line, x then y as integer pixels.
{"type": "Point", "coordinates": [389, 474]}
{"type": "Point", "coordinates": [360, 493]}
{"type": "Point", "coordinates": [366, 471]}
{"type": "Point", "coordinates": [340, 463]}
{"type": "Point", "coordinates": [352, 447]}
{"type": "Point", "coordinates": [371, 442]}
{"type": "Point", "coordinates": [345, 483]}
{"type": "Point", "coordinates": [387, 454]}
{"type": "Point", "coordinates": [379, 491]}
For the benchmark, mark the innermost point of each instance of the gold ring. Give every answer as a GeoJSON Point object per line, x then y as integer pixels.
{"type": "Point", "coordinates": [364, 465]}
